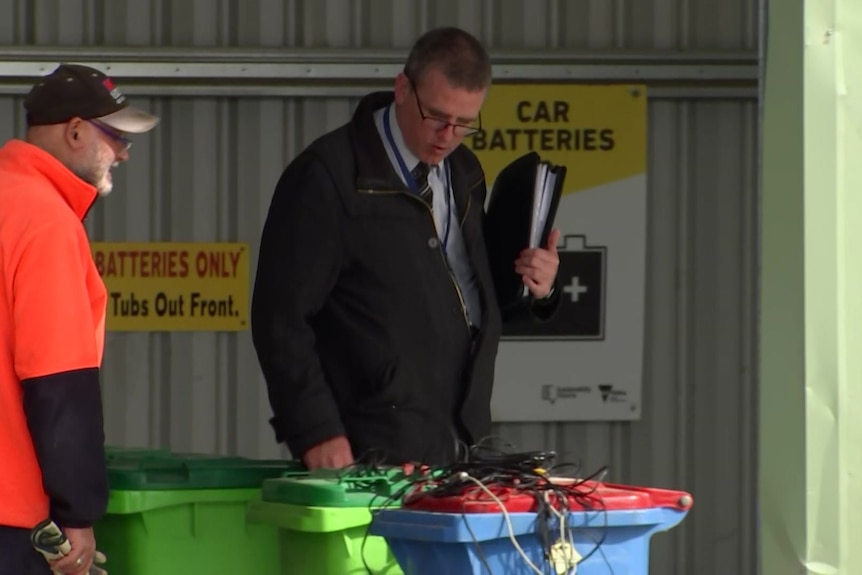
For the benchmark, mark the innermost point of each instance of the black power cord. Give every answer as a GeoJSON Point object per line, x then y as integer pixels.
{"type": "Point", "coordinates": [556, 490]}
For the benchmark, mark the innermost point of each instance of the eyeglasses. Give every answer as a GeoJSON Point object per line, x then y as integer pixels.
{"type": "Point", "coordinates": [438, 123]}
{"type": "Point", "coordinates": [125, 142]}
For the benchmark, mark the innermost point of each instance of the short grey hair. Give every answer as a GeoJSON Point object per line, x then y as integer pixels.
{"type": "Point", "coordinates": [456, 53]}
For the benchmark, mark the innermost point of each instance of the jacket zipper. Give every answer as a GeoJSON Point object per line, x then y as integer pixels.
{"type": "Point", "coordinates": [440, 251]}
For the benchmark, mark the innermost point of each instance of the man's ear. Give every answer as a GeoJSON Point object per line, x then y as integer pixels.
{"type": "Point", "coordinates": [74, 133]}
{"type": "Point", "coordinates": [402, 88]}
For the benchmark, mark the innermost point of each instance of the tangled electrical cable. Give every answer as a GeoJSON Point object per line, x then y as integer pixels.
{"type": "Point", "coordinates": [493, 481]}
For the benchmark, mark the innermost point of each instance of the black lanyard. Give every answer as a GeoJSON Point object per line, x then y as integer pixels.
{"type": "Point", "coordinates": [411, 181]}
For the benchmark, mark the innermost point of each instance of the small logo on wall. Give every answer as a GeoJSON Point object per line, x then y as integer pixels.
{"type": "Point", "coordinates": [613, 395]}
{"type": "Point", "coordinates": [551, 393]}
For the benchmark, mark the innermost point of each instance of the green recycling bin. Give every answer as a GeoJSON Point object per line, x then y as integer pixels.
{"type": "Point", "coordinates": [186, 513]}
{"type": "Point", "coordinates": [324, 519]}
{"type": "Point", "coordinates": [116, 455]}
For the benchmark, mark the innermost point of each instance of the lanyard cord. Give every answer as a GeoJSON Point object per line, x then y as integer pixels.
{"type": "Point", "coordinates": [411, 181]}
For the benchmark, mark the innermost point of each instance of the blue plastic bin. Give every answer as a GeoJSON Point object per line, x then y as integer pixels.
{"type": "Point", "coordinates": [612, 542]}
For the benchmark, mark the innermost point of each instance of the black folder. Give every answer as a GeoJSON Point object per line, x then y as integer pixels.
{"type": "Point", "coordinates": [520, 214]}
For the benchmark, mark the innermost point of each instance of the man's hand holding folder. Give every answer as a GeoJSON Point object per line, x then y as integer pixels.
{"type": "Point", "coordinates": [518, 228]}
{"type": "Point", "coordinates": [538, 267]}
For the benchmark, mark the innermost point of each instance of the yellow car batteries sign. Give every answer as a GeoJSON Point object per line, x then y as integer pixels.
{"type": "Point", "coordinates": [585, 363]}
{"type": "Point", "coordinates": [175, 286]}
{"type": "Point", "coordinates": [597, 132]}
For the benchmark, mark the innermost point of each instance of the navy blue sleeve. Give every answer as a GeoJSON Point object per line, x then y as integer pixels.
{"type": "Point", "coordinates": [64, 414]}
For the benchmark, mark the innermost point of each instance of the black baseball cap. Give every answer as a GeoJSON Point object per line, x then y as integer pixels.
{"type": "Point", "coordinates": [73, 91]}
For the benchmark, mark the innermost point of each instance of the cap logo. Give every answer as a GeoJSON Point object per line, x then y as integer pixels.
{"type": "Point", "coordinates": [118, 96]}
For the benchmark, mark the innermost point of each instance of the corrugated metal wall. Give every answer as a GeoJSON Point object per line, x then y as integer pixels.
{"type": "Point", "coordinates": [207, 174]}
{"type": "Point", "coordinates": [506, 24]}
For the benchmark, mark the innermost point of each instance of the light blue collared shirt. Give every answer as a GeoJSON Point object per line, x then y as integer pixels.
{"type": "Point", "coordinates": [438, 179]}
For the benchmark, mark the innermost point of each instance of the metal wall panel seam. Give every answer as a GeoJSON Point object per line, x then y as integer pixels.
{"type": "Point", "coordinates": [303, 15]}
{"type": "Point", "coordinates": [354, 91]}
{"type": "Point", "coordinates": [227, 28]}
{"type": "Point", "coordinates": [159, 421]}
{"type": "Point", "coordinates": [356, 18]}
{"type": "Point", "coordinates": [749, 257]}
{"type": "Point", "coordinates": [553, 24]}
{"type": "Point", "coordinates": [684, 25]}
{"type": "Point", "coordinates": [684, 314]}
{"type": "Point", "coordinates": [225, 341]}
{"type": "Point", "coordinates": [252, 55]}
{"type": "Point", "coordinates": [753, 531]}
{"type": "Point", "coordinates": [619, 24]}
{"type": "Point", "coordinates": [488, 22]}
{"type": "Point", "coordinates": [24, 73]}
{"type": "Point", "coordinates": [157, 17]}
{"type": "Point", "coordinates": [422, 15]}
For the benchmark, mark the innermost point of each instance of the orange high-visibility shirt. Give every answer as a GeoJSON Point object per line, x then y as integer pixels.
{"type": "Point", "coordinates": [52, 307]}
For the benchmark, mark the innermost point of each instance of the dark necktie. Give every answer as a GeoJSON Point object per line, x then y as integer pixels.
{"type": "Point", "coordinates": [420, 174]}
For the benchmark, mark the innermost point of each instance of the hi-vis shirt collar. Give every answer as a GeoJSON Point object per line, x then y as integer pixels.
{"type": "Point", "coordinates": [79, 195]}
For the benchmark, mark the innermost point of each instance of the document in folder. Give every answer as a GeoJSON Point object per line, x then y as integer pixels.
{"type": "Point", "coordinates": [520, 215]}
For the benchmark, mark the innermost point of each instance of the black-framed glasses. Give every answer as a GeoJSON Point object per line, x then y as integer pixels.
{"type": "Point", "coordinates": [439, 123]}
{"type": "Point", "coordinates": [125, 142]}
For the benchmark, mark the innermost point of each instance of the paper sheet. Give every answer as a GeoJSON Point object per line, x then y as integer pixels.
{"type": "Point", "coordinates": [542, 193]}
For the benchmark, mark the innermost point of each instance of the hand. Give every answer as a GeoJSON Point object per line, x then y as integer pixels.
{"type": "Point", "coordinates": [538, 267]}
{"type": "Point", "coordinates": [80, 559]}
{"type": "Point", "coordinates": [333, 453]}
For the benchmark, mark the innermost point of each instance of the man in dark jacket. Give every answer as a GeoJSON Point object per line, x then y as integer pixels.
{"type": "Point", "coordinates": [374, 313]}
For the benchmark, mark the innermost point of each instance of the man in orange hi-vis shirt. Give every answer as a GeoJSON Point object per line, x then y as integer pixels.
{"type": "Point", "coordinates": [52, 314]}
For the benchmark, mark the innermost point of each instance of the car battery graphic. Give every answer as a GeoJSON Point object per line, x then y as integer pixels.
{"type": "Point", "coordinates": [582, 281]}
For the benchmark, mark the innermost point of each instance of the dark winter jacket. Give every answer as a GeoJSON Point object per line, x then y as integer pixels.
{"type": "Point", "coordinates": [358, 323]}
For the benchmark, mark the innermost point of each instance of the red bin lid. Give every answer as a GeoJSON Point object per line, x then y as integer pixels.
{"type": "Point", "coordinates": [582, 496]}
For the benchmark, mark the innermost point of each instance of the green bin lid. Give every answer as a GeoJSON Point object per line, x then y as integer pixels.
{"type": "Point", "coordinates": [334, 488]}
{"type": "Point", "coordinates": [114, 453]}
{"type": "Point", "coordinates": [157, 471]}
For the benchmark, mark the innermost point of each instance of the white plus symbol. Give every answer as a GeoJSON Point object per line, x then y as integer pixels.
{"type": "Point", "coordinates": [575, 289]}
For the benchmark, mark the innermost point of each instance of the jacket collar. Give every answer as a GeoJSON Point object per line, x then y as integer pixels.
{"type": "Point", "coordinates": [78, 194]}
{"type": "Point", "coordinates": [373, 168]}
{"type": "Point", "coordinates": [375, 171]}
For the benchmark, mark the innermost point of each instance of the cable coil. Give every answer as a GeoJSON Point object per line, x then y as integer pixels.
{"type": "Point", "coordinates": [493, 481]}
